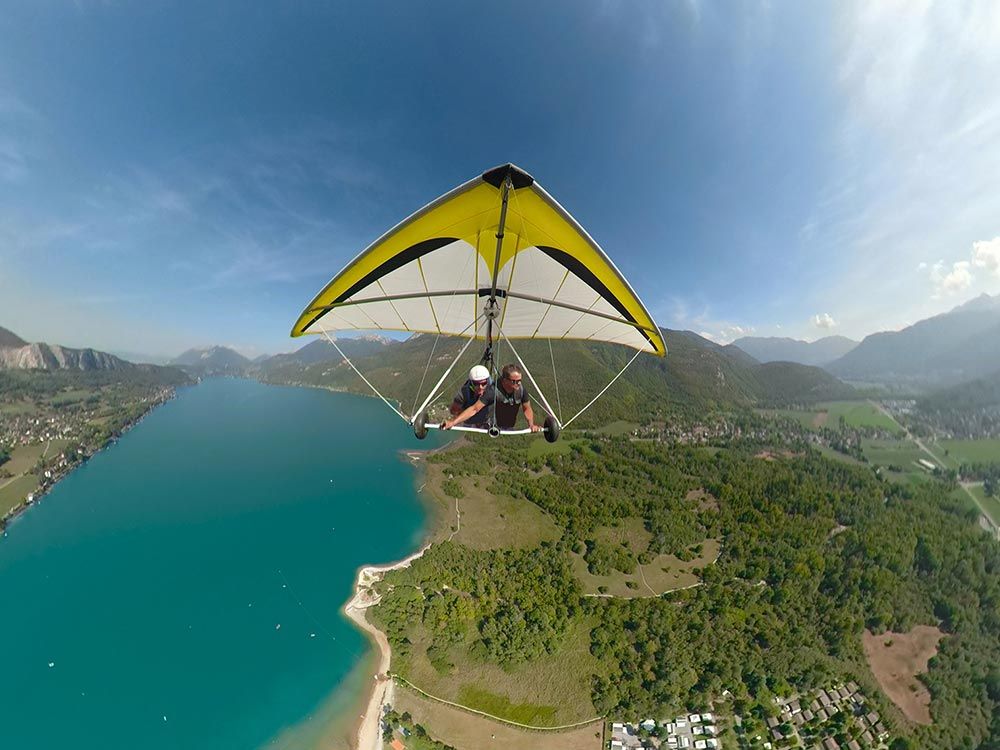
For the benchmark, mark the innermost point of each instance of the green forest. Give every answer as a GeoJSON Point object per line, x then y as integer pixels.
{"type": "Point", "coordinates": [813, 552]}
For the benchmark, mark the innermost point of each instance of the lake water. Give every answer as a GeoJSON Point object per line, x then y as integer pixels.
{"type": "Point", "coordinates": [183, 588]}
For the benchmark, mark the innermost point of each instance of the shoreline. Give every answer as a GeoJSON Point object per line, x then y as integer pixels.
{"type": "Point", "coordinates": [33, 498]}
{"type": "Point", "coordinates": [368, 735]}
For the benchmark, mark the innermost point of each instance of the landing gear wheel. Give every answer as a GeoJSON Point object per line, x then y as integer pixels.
{"type": "Point", "coordinates": [420, 426]}
{"type": "Point", "coordinates": [551, 428]}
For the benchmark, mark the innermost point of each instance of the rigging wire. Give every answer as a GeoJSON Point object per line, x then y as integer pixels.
{"type": "Point", "coordinates": [451, 302]}
{"type": "Point", "coordinates": [367, 382]}
{"type": "Point", "coordinates": [638, 352]}
{"type": "Point", "coordinates": [555, 380]}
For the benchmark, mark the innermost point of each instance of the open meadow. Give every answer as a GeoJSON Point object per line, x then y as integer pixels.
{"type": "Point", "coordinates": [991, 505]}
{"type": "Point", "coordinates": [854, 414]}
{"type": "Point", "coordinates": [485, 520]}
{"type": "Point", "coordinates": [662, 574]}
{"type": "Point", "coordinates": [467, 731]}
{"type": "Point", "coordinates": [13, 491]}
{"type": "Point", "coordinates": [971, 451]}
{"type": "Point", "coordinates": [549, 691]}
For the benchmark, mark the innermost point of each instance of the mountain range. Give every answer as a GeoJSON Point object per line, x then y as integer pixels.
{"type": "Point", "coordinates": [18, 354]}
{"type": "Point", "coordinates": [695, 378]}
{"type": "Point", "coordinates": [697, 375]}
{"type": "Point", "coordinates": [774, 349]}
{"type": "Point", "coordinates": [211, 360]}
{"type": "Point", "coordinates": [954, 347]}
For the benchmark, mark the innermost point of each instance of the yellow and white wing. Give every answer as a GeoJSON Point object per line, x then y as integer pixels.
{"type": "Point", "coordinates": [434, 272]}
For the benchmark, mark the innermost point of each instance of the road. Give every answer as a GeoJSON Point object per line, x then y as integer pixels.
{"type": "Point", "coordinates": [989, 523]}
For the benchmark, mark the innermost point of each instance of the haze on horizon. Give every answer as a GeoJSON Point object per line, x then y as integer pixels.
{"type": "Point", "coordinates": [184, 176]}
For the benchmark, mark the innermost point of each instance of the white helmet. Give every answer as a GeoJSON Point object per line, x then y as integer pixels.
{"type": "Point", "coordinates": [479, 374]}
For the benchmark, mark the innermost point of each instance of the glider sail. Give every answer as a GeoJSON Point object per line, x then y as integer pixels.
{"type": "Point", "coordinates": [498, 239]}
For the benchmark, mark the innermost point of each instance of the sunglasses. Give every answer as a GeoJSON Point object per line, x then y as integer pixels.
{"type": "Point", "coordinates": [480, 383]}
{"type": "Point", "coordinates": [512, 380]}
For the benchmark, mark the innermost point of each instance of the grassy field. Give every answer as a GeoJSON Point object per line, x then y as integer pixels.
{"type": "Point", "coordinates": [552, 690]}
{"type": "Point", "coordinates": [488, 521]}
{"type": "Point", "coordinates": [618, 428]}
{"type": "Point", "coordinates": [15, 490]}
{"type": "Point", "coordinates": [990, 504]}
{"type": "Point", "coordinates": [901, 453]}
{"type": "Point", "coordinates": [969, 451]}
{"type": "Point", "coordinates": [808, 419]}
{"type": "Point", "coordinates": [829, 452]}
{"type": "Point", "coordinates": [466, 731]}
{"type": "Point", "coordinates": [855, 414]}
{"type": "Point", "coordinates": [17, 408]}
{"type": "Point", "coordinates": [541, 447]}
{"type": "Point", "coordinates": [665, 572]}
{"type": "Point", "coordinates": [23, 458]}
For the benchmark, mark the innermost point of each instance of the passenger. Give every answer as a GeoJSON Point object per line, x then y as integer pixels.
{"type": "Point", "coordinates": [477, 384]}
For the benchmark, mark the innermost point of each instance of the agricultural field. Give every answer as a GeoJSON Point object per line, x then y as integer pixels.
{"type": "Point", "coordinates": [13, 491]}
{"type": "Point", "coordinates": [855, 414]}
{"type": "Point", "coordinates": [903, 454]}
{"type": "Point", "coordinates": [989, 504]}
{"type": "Point", "coordinates": [970, 451]}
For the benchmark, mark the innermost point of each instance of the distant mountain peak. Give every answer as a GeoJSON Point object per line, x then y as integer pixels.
{"type": "Point", "coordinates": [9, 339]}
{"type": "Point", "coordinates": [982, 302]}
{"type": "Point", "coordinates": [212, 359]}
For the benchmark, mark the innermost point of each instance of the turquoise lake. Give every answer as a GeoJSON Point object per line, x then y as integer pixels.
{"type": "Point", "coordinates": [154, 578]}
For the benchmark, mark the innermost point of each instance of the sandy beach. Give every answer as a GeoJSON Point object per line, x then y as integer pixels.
{"type": "Point", "coordinates": [369, 736]}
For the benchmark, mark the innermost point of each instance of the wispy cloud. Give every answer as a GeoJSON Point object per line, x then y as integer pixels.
{"type": "Point", "coordinates": [20, 126]}
{"type": "Point", "coordinates": [916, 155]}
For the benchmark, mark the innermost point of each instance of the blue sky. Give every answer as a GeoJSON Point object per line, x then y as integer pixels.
{"type": "Point", "coordinates": [176, 175]}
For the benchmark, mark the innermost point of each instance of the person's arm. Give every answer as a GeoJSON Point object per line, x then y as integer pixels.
{"type": "Point", "coordinates": [474, 409]}
{"type": "Point", "coordinates": [530, 416]}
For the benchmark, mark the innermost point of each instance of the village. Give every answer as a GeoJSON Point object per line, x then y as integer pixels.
{"type": "Point", "coordinates": [833, 718]}
{"type": "Point", "coordinates": [42, 441]}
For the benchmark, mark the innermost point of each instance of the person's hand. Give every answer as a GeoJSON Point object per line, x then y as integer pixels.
{"type": "Point", "coordinates": [447, 424]}
{"type": "Point", "coordinates": [536, 428]}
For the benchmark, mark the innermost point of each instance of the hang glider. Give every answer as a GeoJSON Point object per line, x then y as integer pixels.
{"type": "Point", "coordinates": [496, 256]}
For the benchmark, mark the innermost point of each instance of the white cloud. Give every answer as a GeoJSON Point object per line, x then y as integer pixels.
{"type": "Point", "coordinates": [947, 282]}
{"type": "Point", "coordinates": [727, 334]}
{"type": "Point", "coordinates": [824, 320]}
{"type": "Point", "coordinates": [986, 254]}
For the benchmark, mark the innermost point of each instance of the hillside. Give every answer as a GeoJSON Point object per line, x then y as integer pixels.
{"type": "Point", "coordinates": [696, 377]}
{"type": "Point", "coordinates": [956, 346]}
{"type": "Point", "coordinates": [776, 349]}
{"type": "Point", "coordinates": [786, 383]}
{"type": "Point", "coordinates": [320, 350]}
